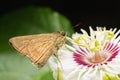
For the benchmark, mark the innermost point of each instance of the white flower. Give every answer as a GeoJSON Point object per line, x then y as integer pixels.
{"type": "Point", "coordinates": [91, 57]}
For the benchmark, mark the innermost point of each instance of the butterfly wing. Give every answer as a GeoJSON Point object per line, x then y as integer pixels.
{"type": "Point", "coordinates": [37, 47]}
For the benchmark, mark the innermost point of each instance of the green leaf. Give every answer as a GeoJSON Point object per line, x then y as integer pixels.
{"type": "Point", "coordinates": [25, 21]}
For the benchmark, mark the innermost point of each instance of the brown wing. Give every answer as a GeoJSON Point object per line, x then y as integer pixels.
{"type": "Point", "coordinates": [37, 47]}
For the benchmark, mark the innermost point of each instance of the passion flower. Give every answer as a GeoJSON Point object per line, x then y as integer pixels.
{"type": "Point", "coordinates": [94, 56]}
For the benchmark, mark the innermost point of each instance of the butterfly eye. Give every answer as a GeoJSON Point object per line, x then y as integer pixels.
{"type": "Point", "coordinates": [61, 33]}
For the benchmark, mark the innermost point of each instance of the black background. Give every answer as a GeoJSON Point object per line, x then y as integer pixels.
{"type": "Point", "coordinates": [83, 12]}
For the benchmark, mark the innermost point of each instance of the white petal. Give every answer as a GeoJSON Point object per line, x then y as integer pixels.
{"type": "Point", "coordinates": [114, 30]}
{"type": "Point", "coordinates": [75, 35]}
{"type": "Point", "coordinates": [91, 33]}
{"type": "Point", "coordinates": [116, 34]}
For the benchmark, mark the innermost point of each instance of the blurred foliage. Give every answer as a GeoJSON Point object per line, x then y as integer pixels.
{"type": "Point", "coordinates": [25, 21]}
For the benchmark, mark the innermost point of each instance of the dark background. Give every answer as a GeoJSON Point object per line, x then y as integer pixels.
{"type": "Point", "coordinates": [83, 12]}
